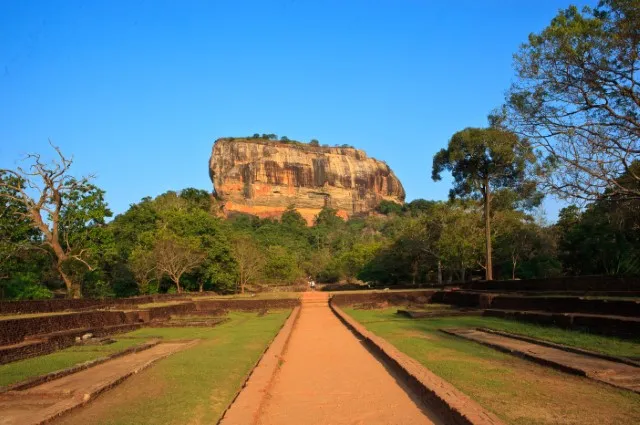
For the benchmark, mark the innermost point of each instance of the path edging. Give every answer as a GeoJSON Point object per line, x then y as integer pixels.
{"type": "Point", "coordinates": [544, 362]}
{"type": "Point", "coordinates": [451, 405]}
{"type": "Point", "coordinates": [260, 378]}
{"type": "Point", "coordinates": [563, 347]}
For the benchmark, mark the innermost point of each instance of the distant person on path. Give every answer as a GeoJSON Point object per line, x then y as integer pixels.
{"type": "Point", "coordinates": [312, 283]}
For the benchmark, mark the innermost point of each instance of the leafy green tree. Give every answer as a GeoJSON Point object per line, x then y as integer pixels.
{"type": "Point", "coordinates": [281, 266]}
{"type": "Point", "coordinates": [577, 97]}
{"type": "Point", "coordinates": [250, 261]}
{"type": "Point", "coordinates": [293, 220]}
{"type": "Point", "coordinates": [24, 263]}
{"type": "Point", "coordinates": [389, 207]}
{"type": "Point", "coordinates": [460, 242]}
{"type": "Point", "coordinates": [354, 259]}
{"type": "Point", "coordinates": [481, 161]}
{"type": "Point", "coordinates": [314, 142]}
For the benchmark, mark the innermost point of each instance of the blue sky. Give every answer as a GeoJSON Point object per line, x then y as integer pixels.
{"type": "Point", "coordinates": [138, 91]}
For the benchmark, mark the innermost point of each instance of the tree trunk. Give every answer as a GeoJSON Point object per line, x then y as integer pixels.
{"type": "Point", "coordinates": [74, 290]}
{"type": "Point", "coordinates": [487, 229]}
{"type": "Point", "coordinates": [201, 285]}
{"type": "Point", "coordinates": [414, 272]}
{"type": "Point", "coordinates": [178, 286]}
{"type": "Point", "coordinates": [514, 261]}
{"type": "Point", "coordinates": [439, 273]}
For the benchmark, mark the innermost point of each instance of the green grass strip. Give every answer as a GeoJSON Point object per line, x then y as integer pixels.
{"type": "Point", "coordinates": [192, 386]}
{"type": "Point", "coordinates": [15, 372]}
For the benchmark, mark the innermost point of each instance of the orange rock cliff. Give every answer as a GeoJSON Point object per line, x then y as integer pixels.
{"type": "Point", "coordinates": [264, 177]}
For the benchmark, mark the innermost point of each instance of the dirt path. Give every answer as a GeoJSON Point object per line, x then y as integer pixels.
{"type": "Point", "coordinates": [611, 372]}
{"type": "Point", "coordinates": [328, 377]}
{"type": "Point", "coordinates": [38, 404]}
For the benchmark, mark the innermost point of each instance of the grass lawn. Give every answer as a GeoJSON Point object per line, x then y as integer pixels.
{"type": "Point", "coordinates": [607, 345]}
{"type": "Point", "coordinates": [19, 371]}
{"type": "Point", "coordinates": [518, 391]}
{"type": "Point", "coordinates": [190, 387]}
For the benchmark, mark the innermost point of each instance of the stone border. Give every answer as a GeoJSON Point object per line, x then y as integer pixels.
{"type": "Point", "coordinates": [244, 410]}
{"type": "Point", "coordinates": [540, 360]}
{"type": "Point", "coordinates": [563, 347]}
{"type": "Point", "coordinates": [32, 382]}
{"type": "Point", "coordinates": [451, 405]}
{"type": "Point", "coordinates": [412, 314]}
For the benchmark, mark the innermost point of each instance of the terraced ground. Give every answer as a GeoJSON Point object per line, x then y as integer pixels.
{"type": "Point", "coordinates": [190, 387]}
{"type": "Point", "coordinates": [516, 390]}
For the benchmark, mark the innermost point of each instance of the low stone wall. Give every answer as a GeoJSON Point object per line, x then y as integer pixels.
{"type": "Point", "coordinates": [630, 308]}
{"type": "Point", "coordinates": [57, 341]}
{"type": "Point", "coordinates": [13, 331]}
{"type": "Point", "coordinates": [164, 312]}
{"type": "Point", "coordinates": [451, 405]}
{"type": "Point", "coordinates": [624, 327]}
{"type": "Point", "coordinates": [463, 299]}
{"type": "Point", "coordinates": [56, 305]}
{"type": "Point", "coordinates": [578, 283]}
{"type": "Point", "coordinates": [389, 297]}
{"type": "Point", "coordinates": [246, 304]}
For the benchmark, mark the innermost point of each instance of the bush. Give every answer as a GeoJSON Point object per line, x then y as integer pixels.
{"type": "Point", "coordinates": [23, 286]}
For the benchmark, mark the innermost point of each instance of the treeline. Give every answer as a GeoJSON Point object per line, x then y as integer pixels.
{"type": "Point", "coordinates": [175, 243]}
{"type": "Point", "coordinates": [284, 139]}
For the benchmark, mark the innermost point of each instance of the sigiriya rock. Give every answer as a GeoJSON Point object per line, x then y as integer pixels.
{"type": "Point", "coordinates": [264, 177]}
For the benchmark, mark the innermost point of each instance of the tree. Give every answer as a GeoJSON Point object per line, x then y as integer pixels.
{"type": "Point", "coordinates": [516, 239]}
{"type": "Point", "coordinates": [314, 142]}
{"type": "Point", "coordinates": [460, 237]}
{"type": "Point", "coordinates": [577, 98]}
{"type": "Point", "coordinates": [176, 256]}
{"type": "Point", "coordinates": [60, 206]}
{"type": "Point", "coordinates": [249, 259]}
{"type": "Point", "coordinates": [389, 207]}
{"type": "Point", "coordinates": [144, 267]}
{"type": "Point", "coordinates": [481, 161]}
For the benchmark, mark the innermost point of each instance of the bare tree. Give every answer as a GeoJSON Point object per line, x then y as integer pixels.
{"type": "Point", "coordinates": [144, 267]}
{"type": "Point", "coordinates": [577, 99]}
{"type": "Point", "coordinates": [249, 258]}
{"type": "Point", "coordinates": [175, 257]}
{"type": "Point", "coordinates": [43, 189]}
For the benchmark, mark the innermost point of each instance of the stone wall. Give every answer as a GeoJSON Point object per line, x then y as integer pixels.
{"type": "Point", "coordinates": [565, 304]}
{"type": "Point", "coordinates": [246, 305]}
{"type": "Point", "coordinates": [624, 327]}
{"type": "Point", "coordinates": [55, 305]}
{"type": "Point", "coordinates": [389, 297]}
{"type": "Point", "coordinates": [579, 283]}
{"type": "Point", "coordinates": [15, 330]}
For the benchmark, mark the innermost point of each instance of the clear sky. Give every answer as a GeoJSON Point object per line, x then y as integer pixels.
{"type": "Point", "coordinates": [138, 90]}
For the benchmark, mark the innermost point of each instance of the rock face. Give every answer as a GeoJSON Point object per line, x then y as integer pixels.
{"type": "Point", "coordinates": [263, 178]}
